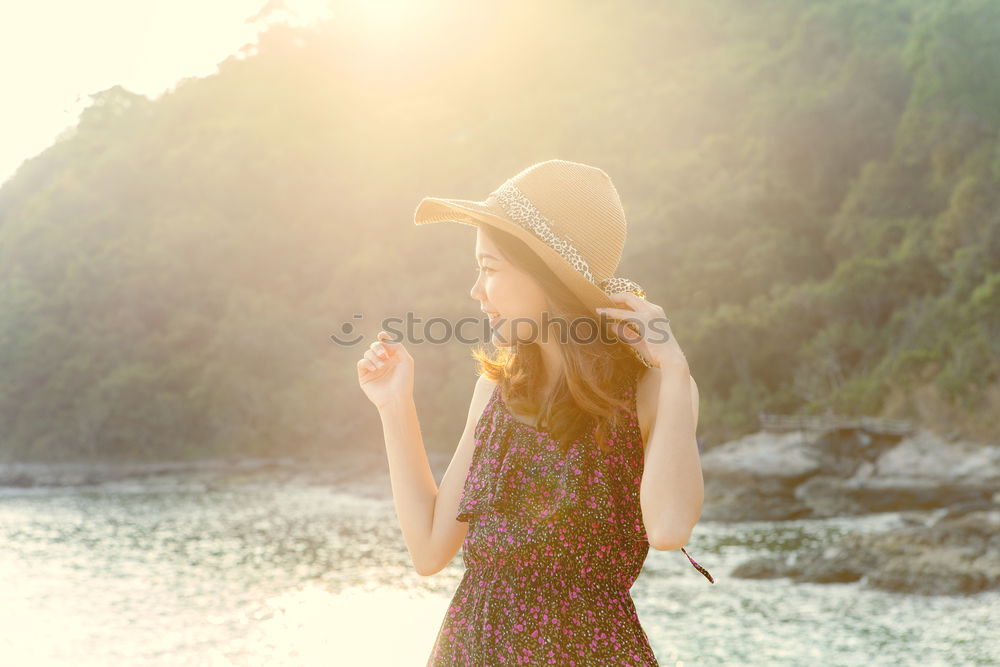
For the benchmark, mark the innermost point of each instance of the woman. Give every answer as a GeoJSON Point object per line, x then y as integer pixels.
{"type": "Point", "coordinates": [579, 449]}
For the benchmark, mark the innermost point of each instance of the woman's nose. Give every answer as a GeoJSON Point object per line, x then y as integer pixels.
{"type": "Point", "coordinates": [475, 290]}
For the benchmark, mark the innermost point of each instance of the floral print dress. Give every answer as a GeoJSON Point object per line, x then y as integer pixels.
{"type": "Point", "coordinates": [555, 542]}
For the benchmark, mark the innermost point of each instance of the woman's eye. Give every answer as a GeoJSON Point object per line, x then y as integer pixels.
{"type": "Point", "coordinates": [483, 269]}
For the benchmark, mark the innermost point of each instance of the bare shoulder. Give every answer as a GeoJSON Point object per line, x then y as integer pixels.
{"type": "Point", "coordinates": [480, 397]}
{"type": "Point", "coordinates": [485, 384]}
{"type": "Point", "coordinates": [647, 400]}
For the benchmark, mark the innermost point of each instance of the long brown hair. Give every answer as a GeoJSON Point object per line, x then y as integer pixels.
{"type": "Point", "coordinates": [590, 392]}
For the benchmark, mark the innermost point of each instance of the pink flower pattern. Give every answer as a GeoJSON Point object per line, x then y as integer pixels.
{"type": "Point", "coordinates": [554, 544]}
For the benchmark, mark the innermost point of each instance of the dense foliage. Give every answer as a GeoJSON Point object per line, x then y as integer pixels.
{"type": "Point", "coordinates": [812, 192]}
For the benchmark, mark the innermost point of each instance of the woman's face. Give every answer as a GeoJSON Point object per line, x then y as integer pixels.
{"type": "Point", "coordinates": [506, 292]}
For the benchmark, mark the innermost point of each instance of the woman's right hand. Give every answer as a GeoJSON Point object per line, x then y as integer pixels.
{"type": "Point", "coordinates": [385, 373]}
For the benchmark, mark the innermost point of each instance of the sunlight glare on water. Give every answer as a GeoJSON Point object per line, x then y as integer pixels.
{"type": "Point", "coordinates": [356, 627]}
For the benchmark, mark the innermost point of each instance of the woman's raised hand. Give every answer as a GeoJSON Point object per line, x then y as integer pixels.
{"type": "Point", "coordinates": [385, 373]}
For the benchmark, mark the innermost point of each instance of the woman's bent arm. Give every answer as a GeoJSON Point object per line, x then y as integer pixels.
{"type": "Point", "coordinates": [413, 487]}
{"type": "Point", "coordinates": [427, 514]}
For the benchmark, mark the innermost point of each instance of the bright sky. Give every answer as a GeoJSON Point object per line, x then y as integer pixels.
{"type": "Point", "coordinates": [55, 53]}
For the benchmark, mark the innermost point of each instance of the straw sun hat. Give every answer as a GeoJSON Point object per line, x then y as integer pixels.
{"type": "Point", "coordinates": [568, 213]}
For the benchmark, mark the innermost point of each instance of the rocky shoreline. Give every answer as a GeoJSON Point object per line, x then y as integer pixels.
{"type": "Point", "coordinates": [55, 475]}
{"type": "Point", "coordinates": [948, 492]}
{"type": "Point", "coordinates": [954, 553]}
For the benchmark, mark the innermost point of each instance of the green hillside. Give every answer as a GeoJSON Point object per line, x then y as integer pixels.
{"type": "Point", "coordinates": [813, 193]}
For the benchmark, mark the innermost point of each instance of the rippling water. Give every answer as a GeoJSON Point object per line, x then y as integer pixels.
{"type": "Point", "coordinates": [257, 571]}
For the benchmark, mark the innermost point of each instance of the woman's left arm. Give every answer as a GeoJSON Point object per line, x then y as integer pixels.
{"type": "Point", "coordinates": [672, 490]}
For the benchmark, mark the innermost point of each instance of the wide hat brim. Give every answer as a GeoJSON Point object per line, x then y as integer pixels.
{"type": "Point", "coordinates": [488, 212]}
